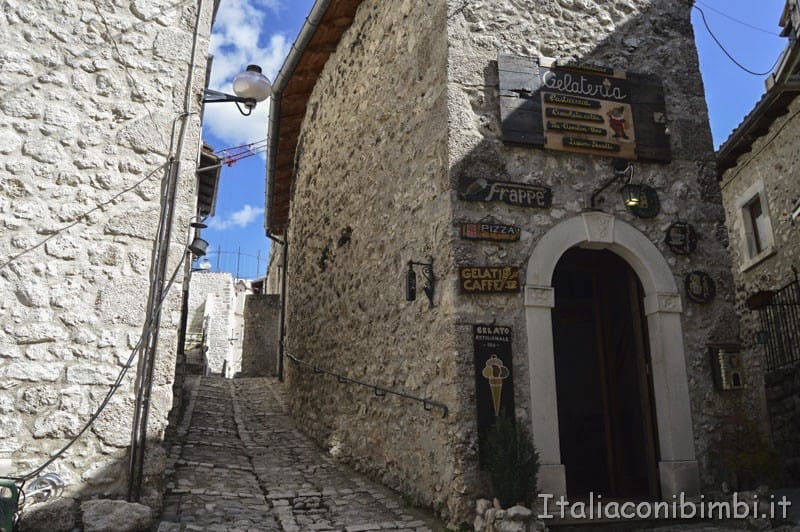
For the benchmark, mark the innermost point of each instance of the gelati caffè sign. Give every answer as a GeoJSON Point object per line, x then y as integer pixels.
{"type": "Point", "coordinates": [489, 279]}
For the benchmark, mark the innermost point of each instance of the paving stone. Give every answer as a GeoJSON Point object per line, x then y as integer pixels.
{"type": "Point", "coordinates": [239, 464]}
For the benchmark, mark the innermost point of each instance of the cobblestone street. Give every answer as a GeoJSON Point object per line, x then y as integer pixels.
{"type": "Point", "coordinates": [237, 463]}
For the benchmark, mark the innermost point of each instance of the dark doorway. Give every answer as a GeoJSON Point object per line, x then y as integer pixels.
{"type": "Point", "coordinates": [605, 410]}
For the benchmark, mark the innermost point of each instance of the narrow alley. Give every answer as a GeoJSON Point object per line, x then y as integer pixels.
{"type": "Point", "coordinates": [237, 463]}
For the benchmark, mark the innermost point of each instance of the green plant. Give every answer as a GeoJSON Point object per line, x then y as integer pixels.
{"type": "Point", "coordinates": [512, 461]}
{"type": "Point", "coordinates": [747, 454]}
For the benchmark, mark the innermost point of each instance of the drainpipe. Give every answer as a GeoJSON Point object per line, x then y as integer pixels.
{"type": "Point", "coordinates": [282, 321]}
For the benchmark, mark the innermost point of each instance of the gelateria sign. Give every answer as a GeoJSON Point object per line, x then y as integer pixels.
{"type": "Point", "coordinates": [569, 92]}
{"type": "Point", "coordinates": [489, 279]}
{"type": "Point", "coordinates": [583, 108]}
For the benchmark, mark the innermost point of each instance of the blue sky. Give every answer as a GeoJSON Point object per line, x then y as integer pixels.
{"type": "Point", "coordinates": [262, 32]}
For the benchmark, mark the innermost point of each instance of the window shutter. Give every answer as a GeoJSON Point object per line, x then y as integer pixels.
{"type": "Point", "coordinates": [520, 101]}
{"type": "Point", "coordinates": [649, 118]}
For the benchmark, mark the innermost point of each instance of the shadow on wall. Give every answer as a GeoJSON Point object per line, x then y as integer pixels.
{"type": "Point", "coordinates": [100, 501]}
{"type": "Point", "coordinates": [687, 187]}
{"type": "Point", "coordinates": [261, 329]}
{"type": "Point", "coordinates": [96, 505]}
{"type": "Point", "coordinates": [657, 41]}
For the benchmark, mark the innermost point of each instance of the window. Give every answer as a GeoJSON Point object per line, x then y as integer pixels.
{"type": "Point", "coordinates": [758, 222]}
{"type": "Point", "coordinates": [756, 225]}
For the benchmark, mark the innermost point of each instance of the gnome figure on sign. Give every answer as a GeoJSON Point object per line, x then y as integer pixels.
{"type": "Point", "coordinates": [616, 119]}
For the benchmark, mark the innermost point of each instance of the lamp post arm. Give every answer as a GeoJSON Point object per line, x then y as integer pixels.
{"type": "Point", "coordinates": [212, 96]}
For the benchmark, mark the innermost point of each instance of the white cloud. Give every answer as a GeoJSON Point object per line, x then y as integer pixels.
{"type": "Point", "coordinates": [241, 218]}
{"type": "Point", "coordinates": [234, 45]}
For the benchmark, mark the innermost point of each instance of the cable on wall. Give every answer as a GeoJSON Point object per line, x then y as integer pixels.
{"type": "Point", "coordinates": [82, 217]}
{"type": "Point", "coordinates": [114, 387]}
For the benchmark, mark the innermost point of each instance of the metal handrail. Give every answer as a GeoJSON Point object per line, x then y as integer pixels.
{"type": "Point", "coordinates": [379, 391]}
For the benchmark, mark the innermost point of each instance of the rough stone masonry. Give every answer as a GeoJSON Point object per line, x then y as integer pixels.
{"type": "Point", "coordinates": [407, 106]}
{"type": "Point", "coordinates": [90, 93]}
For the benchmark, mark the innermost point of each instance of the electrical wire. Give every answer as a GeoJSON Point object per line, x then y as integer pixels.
{"type": "Point", "coordinates": [81, 217]}
{"type": "Point", "coordinates": [743, 23]}
{"type": "Point", "coordinates": [737, 63]}
{"type": "Point", "coordinates": [125, 66]}
{"type": "Point", "coordinates": [114, 387]}
{"type": "Point", "coordinates": [249, 144]}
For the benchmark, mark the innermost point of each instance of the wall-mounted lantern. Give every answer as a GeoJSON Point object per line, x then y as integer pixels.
{"type": "Point", "coordinates": [411, 280]}
{"type": "Point", "coordinates": [198, 246]}
{"type": "Point", "coordinates": [631, 193]}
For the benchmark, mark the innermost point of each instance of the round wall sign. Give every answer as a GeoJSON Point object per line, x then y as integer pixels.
{"type": "Point", "coordinates": [681, 238]}
{"type": "Point", "coordinates": [700, 287]}
{"type": "Point", "coordinates": [648, 206]}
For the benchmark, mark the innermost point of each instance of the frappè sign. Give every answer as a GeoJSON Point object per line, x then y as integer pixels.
{"type": "Point", "coordinates": [516, 194]}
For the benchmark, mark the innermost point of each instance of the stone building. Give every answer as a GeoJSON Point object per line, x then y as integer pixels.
{"type": "Point", "coordinates": [412, 133]}
{"type": "Point", "coordinates": [99, 116]}
{"type": "Point", "coordinates": [233, 324]}
{"type": "Point", "coordinates": [758, 168]}
{"type": "Point", "coordinates": [210, 320]}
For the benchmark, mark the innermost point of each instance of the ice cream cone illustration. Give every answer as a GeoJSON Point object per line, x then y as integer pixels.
{"type": "Point", "coordinates": [495, 372]}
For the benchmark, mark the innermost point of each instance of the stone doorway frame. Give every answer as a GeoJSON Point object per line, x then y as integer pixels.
{"type": "Point", "coordinates": [678, 470]}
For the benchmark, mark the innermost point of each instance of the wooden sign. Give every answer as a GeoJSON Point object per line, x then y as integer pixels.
{"type": "Point", "coordinates": [583, 108]}
{"type": "Point", "coordinates": [489, 279]}
{"type": "Point", "coordinates": [699, 287]}
{"type": "Point", "coordinates": [494, 377]}
{"type": "Point", "coordinates": [490, 230]}
{"type": "Point", "coordinates": [517, 194]}
{"type": "Point", "coordinates": [649, 206]}
{"type": "Point", "coordinates": [681, 238]}
{"type": "Point", "coordinates": [606, 91]}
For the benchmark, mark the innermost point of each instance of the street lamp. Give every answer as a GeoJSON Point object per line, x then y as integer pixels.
{"type": "Point", "coordinates": [198, 246]}
{"type": "Point", "coordinates": [250, 87]}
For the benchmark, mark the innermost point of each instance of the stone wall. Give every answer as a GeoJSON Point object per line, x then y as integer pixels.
{"type": "Point", "coordinates": [210, 310]}
{"type": "Point", "coordinates": [783, 401]}
{"type": "Point", "coordinates": [274, 270]}
{"type": "Point", "coordinates": [775, 162]}
{"type": "Point", "coordinates": [653, 36]}
{"type": "Point", "coordinates": [260, 346]}
{"type": "Point", "coordinates": [375, 187]}
{"type": "Point", "coordinates": [89, 94]}
{"type": "Point", "coordinates": [371, 195]}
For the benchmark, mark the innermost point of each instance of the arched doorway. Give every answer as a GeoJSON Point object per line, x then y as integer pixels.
{"type": "Point", "coordinates": [677, 466]}
{"type": "Point", "coordinates": [602, 364]}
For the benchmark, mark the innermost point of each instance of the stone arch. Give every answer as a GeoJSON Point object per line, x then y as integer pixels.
{"type": "Point", "coordinates": [678, 469]}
